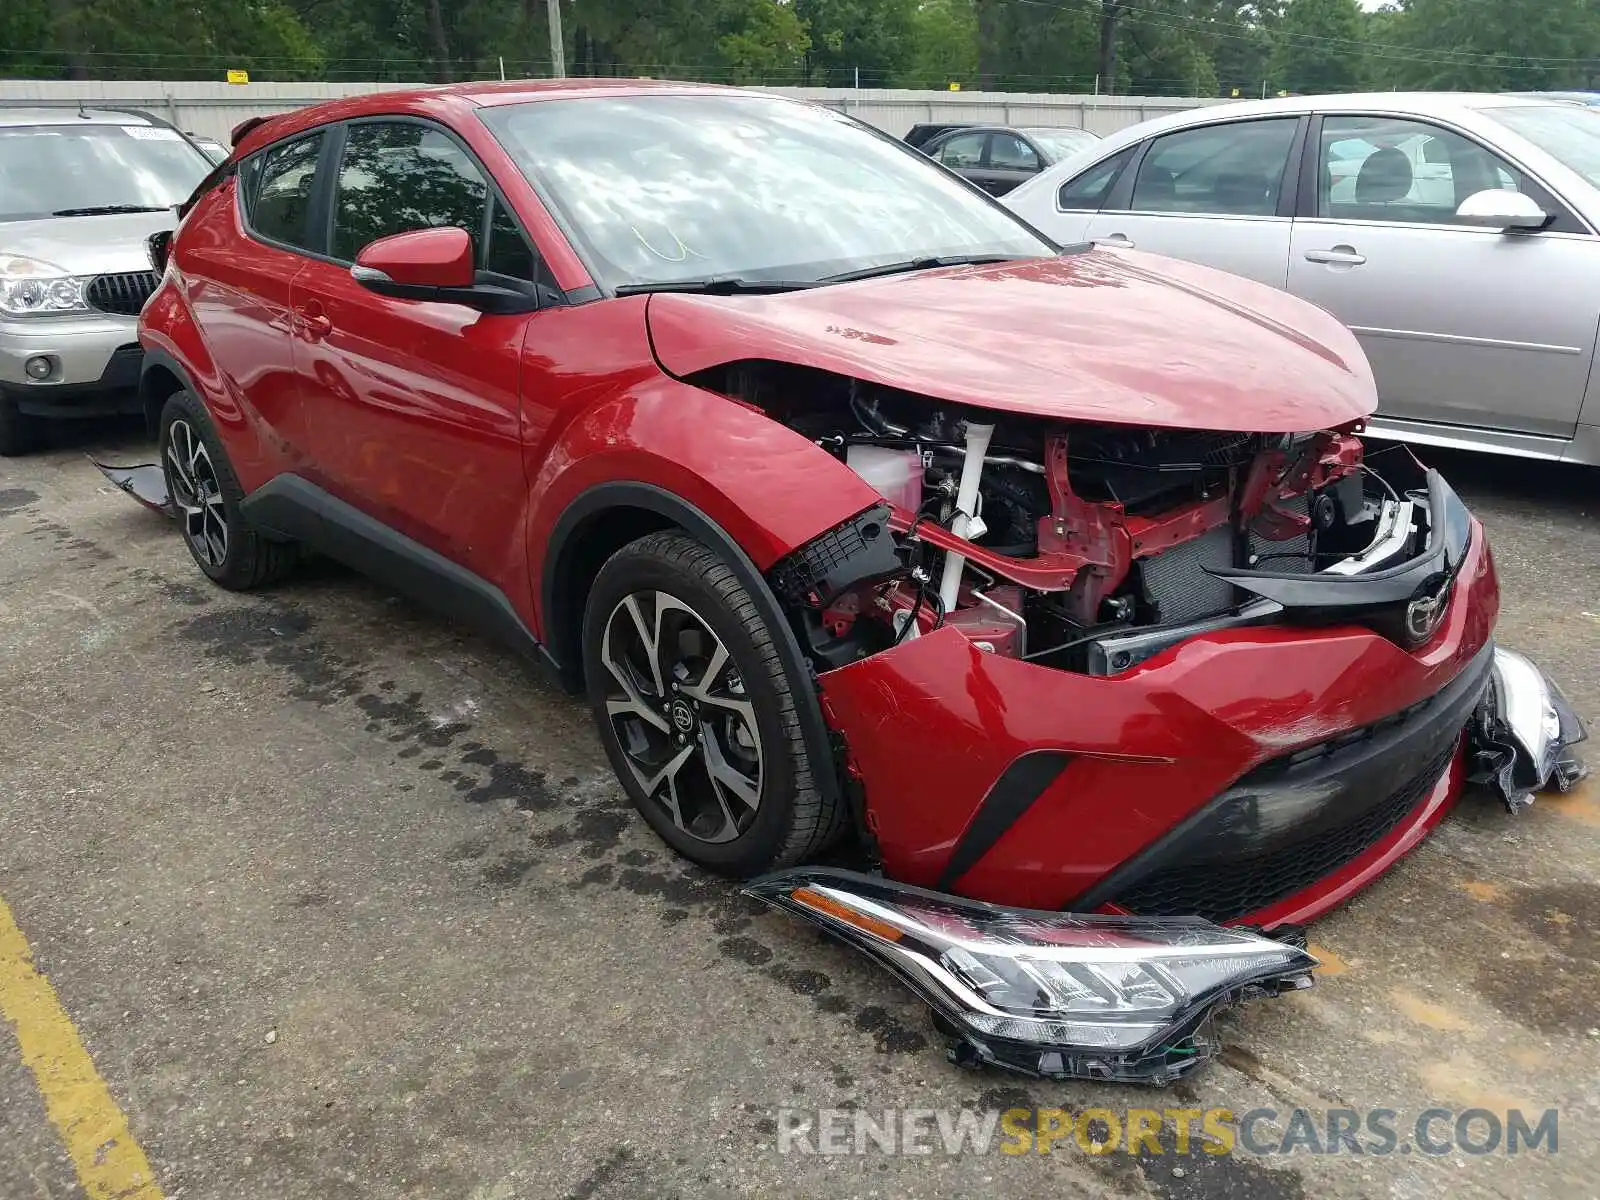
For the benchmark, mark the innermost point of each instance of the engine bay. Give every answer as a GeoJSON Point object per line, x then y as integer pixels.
{"type": "Point", "coordinates": [1083, 547]}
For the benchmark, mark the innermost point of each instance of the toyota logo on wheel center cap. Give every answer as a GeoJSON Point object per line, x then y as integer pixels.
{"type": "Point", "coordinates": [682, 716]}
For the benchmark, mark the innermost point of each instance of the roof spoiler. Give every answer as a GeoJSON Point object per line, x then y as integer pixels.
{"type": "Point", "coordinates": [244, 127]}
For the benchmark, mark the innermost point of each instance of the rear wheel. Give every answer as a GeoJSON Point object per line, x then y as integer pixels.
{"type": "Point", "coordinates": [18, 433]}
{"type": "Point", "coordinates": [207, 495]}
{"type": "Point", "coordinates": [696, 712]}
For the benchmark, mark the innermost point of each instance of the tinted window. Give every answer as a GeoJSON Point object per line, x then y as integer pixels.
{"type": "Point", "coordinates": [508, 252]}
{"type": "Point", "coordinates": [1234, 169]}
{"type": "Point", "coordinates": [1088, 192]}
{"type": "Point", "coordinates": [396, 177]}
{"type": "Point", "coordinates": [1009, 152]}
{"type": "Point", "coordinates": [963, 150]}
{"type": "Point", "coordinates": [47, 169]}
{"type": "Point", "coordinates": [277, 191]}
{"type": "Point", "coordinates": [661, 188]}
{"type": "Point", "coordinates": [1384, 169]}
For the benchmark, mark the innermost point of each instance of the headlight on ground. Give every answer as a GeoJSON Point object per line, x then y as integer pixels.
{"type": "Point", "coordinates": [1051, 994]}
{"type": "Point", "coordinates": [29, 287]}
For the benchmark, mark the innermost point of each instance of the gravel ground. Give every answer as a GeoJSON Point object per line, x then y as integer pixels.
{"type": "Point", "coordinates": [345, 903]}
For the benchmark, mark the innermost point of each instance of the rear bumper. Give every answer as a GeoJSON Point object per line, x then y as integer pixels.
{"type": "Point", "coordinates": [1022, 785]}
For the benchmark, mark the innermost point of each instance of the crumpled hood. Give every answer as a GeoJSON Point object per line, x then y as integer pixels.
{"type": "Point", "coordinates": [87, 245]}
{"type": "Point", "coordinates": [1106, 336]}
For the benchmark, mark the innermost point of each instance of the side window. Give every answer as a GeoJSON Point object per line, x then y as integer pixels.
{"type": "Point", "coordinates": [400, 176]}
{"type": "Point", "coordinates": [1009, 152]}
{"type": "Point", "coordinates": [1406, 171]}
{"type": "Point", "coordinates": [1088, 192]}
{"type": "Point", "coordinates": [276, 192]}
{"type": "Point", "coordinates": [963, 150]}
{"type": "Point", "coordinates": [508, 252]}
{"type": "Point", "coordinates": [1235, 169]}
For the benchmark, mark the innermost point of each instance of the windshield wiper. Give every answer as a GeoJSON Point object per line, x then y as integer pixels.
{"type": "Point", "coordinates": [725, 285]}
{"type": "Point", "coordinates": [105, 210]}
{"type": "Point", "coordinates": [920, 264]}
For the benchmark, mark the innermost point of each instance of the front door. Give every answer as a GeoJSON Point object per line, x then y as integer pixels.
{"type": "Point", "coordinates": [1462, 326]}
{"type": "Point", "coordinates": [1211, 194]}
{"type": "Point", "coordinates": [414, 407]}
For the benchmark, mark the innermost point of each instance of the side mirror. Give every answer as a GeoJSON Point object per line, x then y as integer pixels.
{"type": "Point", "coordinates": [1503, 209]}
{"type": "Point", "coordinates": [434, 265]}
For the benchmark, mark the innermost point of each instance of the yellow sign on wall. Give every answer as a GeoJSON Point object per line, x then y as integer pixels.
{"type": "Point", "coordinates": [955, 87]}
{"type": "Point", "coordinates": [238, 76]}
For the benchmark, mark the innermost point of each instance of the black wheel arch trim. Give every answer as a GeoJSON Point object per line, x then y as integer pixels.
{"type": "Point", "coordinates": [157, 359]}
{"type": "Point", "coordinates": [563, 646]}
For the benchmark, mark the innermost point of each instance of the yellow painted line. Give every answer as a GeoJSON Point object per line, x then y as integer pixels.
{"type": "Point", "coordinates": [110, 1164]}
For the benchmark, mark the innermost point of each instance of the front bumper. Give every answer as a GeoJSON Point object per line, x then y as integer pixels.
{"type": "Point", "coordinates": [1017, 784]}
{"type": "Point", "coordinates": [95, 364]}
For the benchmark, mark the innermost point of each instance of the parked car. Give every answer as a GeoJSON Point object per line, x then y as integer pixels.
{"type": "Point", "coordinates": [997, 158]}
{"type": "Point", "coordinates": [852, 506]}
{"type": "Point", "coordinates": [918, 134]}
{"type": "Point", "coordinates": [1456, 235]}
{"type": "Point", "coordinates": [80, 192]}
{"type": "Point", "coordinates": [210, 147]}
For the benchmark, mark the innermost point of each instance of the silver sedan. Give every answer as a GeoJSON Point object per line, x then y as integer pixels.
{"type": "Point", "coordinates": [1457, 235]}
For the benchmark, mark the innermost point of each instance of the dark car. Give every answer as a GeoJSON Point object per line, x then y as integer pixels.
{"type": "Point", "coordinates": [998, 158]}
{"type": "Point", "coordinates": [917, 135]}
{"type": "Point", "coordinates": [854, 508]}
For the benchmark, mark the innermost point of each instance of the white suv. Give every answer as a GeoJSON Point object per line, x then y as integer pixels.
{"type": "Point", "coordinates": [81, 191]}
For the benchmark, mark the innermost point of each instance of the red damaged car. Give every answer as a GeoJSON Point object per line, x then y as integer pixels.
{"type": "Point", "coordinates": [1056, 577]}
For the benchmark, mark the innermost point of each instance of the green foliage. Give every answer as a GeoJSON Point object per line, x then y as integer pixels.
{"type": "Point", "coordinates": [1160, 47]}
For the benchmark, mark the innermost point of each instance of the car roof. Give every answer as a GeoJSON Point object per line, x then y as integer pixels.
{"type": "Point", "coordinates": [14, 115]}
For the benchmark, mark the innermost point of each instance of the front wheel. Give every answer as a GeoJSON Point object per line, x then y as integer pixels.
{"type": "Point", "coordinates": [696, 712]}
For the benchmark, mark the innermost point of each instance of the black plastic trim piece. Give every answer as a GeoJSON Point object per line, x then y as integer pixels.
{"type": "Point", "coordinates": [562, 627]}
{"type": "Point", "coordinates": [1019, 785]}
{"type": "Point", "coordinates": [297, 510]}
{"type": "Point", "coordinates": [1449, 530]}
{"type": "Point", "coordinates": [1303, 795]}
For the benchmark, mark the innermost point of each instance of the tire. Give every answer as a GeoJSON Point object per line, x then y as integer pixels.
{"type": "Point", "coordinates": [686, 595]}
{"type": "Point", "coordinates": [206, 492]}
{"type": "Point", "coordinates": [18, 433]}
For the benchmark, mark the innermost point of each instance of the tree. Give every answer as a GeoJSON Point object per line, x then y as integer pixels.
{"type": "Point", "coordinates": [873, 37]}
{"type": "Point", "coordinates": [1320, 46]}
{"type": "Point", "coordinates": [944, 40]}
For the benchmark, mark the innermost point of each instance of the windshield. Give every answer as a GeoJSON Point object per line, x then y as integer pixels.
{"type": "Point", "coordinates": [47, 169]}
{"type": "Point", "coordinates": [1062, 143]}
{"type": "Point", "coordinates": [1569, 134]}
{"type": "Point", "coordinates": [654, 189]}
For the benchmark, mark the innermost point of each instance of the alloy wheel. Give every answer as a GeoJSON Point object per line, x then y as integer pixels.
{"type": "Point", "coordinates": [679, 710]}
{"type": "Point", "coordinates": [197, 493]}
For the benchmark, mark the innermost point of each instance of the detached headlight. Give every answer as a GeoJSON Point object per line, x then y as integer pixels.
{"type": "Point", "coordinates": [29, 287]}
{"type": "Point", "coordinates": [1060, 995]}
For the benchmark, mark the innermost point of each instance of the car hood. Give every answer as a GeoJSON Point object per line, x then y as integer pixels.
{"type": "Point", "coordinates": [87, 245]}
{"type": "Point", "coordinates": [1094, 335]}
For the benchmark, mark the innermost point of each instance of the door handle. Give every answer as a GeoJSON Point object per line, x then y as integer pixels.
{"type": "Point", "coordinates": [1342, 255]}
{"type": "Point", "coordinates": [1120, 240]}
{"type": "Point", "coordinates": [313, 322]}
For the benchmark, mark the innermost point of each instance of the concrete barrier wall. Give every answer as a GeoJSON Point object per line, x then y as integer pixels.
{"type": "Point", "coordinates": [212, 109]}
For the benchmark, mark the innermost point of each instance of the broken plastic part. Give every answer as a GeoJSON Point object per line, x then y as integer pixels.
{"type": "Point", "coordinates": [145, 482]}
{"type": "Point", "coordinates": [1056, 995]}
{"type": "Point", "coordinates": [1522, 736]}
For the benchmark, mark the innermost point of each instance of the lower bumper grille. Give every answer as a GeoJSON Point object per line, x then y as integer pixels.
{"type": "Point", "coordinates": [1250, 887]}
{"type": "Point", "coordinates": [1297, 819]}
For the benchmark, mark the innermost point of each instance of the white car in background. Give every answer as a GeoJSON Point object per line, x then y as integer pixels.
{"type": "Point", "coordinates": [1457, 235]}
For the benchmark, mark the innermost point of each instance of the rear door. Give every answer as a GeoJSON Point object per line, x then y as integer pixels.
{"type": "Point", "coordinates": [414, 407]}
{"type": "Point", "coordinates": [1219, 194]}
{"type": "Point", "coordinates": [1010, 161]}
{"type": "Point", "coordinates": [1462, 325]}
{"type": "Point", "coordinates": [240, 289]}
